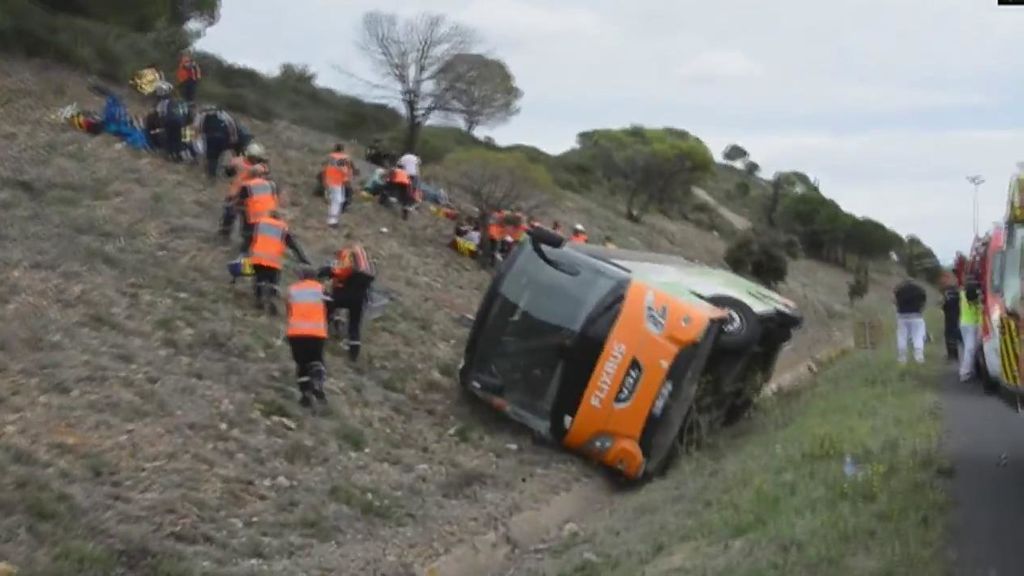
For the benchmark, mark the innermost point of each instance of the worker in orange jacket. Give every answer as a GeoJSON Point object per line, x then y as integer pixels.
{"type": "Point", "coordinates": [271, 239]}
{"type": "Point", "coordinates": [352, 273]}
{"type": "Point", "coordinates": [188, 77]}
{"type": "Point", "coordinates": [336, 176]}
{"type": "Point", "coordinates": [399, 187]}
{"type": "Point", "coordinates": [579, 235]}
{"type": "Point", "coordinates": [257, 198]}
{"type": "Point", "coordinates": [253, 164]}
{"type": "Point", "coordinates": [307, 333]}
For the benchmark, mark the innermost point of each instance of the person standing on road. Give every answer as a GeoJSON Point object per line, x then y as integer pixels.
{"type": "Point", "coordinates": [307, 333]}
{"type": "Point", "coordinates": [951, 313]}
{"type": "Point", "coordinates": [270, 240]}
{"type": "Point", "coordinates": [336, 175]}
{"type": "Point", "coordinates": [910, 301]}
{"type": "Point", "coordinates": [352, 273]}
{"type": "Point", "coordinates": [970, 324]}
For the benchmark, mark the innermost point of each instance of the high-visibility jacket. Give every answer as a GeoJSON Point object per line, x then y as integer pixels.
{"type": "Point", "coordinates": [262, 199]}
{"type": "Point", "coordinates": [351, 261]}
{"type": "Point", "coordinates": [188, 69]}
{"type": "Point", "coordinates": [399, 176]}
{"type": "Point", "coordinates": [268, 243]}
{"type": "Point", "coordinates": [578, 238]}
{"type": "Point", "coordinates": [970, 314]}
{"type": "Point", "coordinates": [337, 171]}
{"type": "Point", "coordinates": [307, 311]}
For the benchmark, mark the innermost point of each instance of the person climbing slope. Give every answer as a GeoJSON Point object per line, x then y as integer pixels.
{"type": "Point", "coordinates": [171, 118]}
{"type": "Point", "coordinates": [188, 77]}
{"type": "Point", "coordinates": [352, 273]}
{"type": "Point", "coordinates": [271, 239]}
{"type": "Point", "coordinates": [307, 333]}
{"type": "Point", "coordinates": [221, 132]}
{"type": "Point", "coordinates": [337, 173]}
{"type": "Point", "coordinates": [257, 197]}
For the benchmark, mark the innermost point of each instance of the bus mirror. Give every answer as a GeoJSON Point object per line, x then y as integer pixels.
{"type": "Point", "coordinates": [547, 237]}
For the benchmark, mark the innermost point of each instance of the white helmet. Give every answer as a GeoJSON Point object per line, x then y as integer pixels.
{"type": "Point", "coordinates": [162, 88]}
{"type": "Point", "coordinates": [578, 228]}
{"type": "Point", "coordinates": [255, 152]}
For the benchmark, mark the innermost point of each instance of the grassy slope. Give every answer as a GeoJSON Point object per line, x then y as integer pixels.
{"type": "Point", "coordinates": [138, 389]}
{"type": "Point", "coordinates": [770, 497]}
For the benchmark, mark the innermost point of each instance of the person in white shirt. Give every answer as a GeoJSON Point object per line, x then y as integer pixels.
{"type": "Point", "coordinates": [411, 164]}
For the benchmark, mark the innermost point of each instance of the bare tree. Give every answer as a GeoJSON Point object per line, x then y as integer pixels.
{"type": "Point", "coordinates": [409, 56]}
{"type": "Point", "coordinates": [482, 90]}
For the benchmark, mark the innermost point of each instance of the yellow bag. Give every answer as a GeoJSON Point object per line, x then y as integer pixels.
{"type": "Point", "coordinates": [145, 80]}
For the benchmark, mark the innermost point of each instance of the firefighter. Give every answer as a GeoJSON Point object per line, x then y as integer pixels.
{"type": "Point", "coordinates": [351, 273]}
{"type": "Point", "coordinates": [337, 174]}
{"type": "Point", "coordinates": [257, 197]}
{"type": "Point", "coordinates": [307, 333]}
{"type": "Point", "coordinates": [970, 327]}
{"type": "Point", "coordinates": [188, 77]}
{"type": "Point", "coordinates": [399, 187]}
{"type": "Point", "coordinates": [270, 240]}
{"type": "Point", "coordinates": [579, 235]}
{"type": "Point", "coordinates": [170, 118]}
{"type": "Point", "coordinates": [221, 132]}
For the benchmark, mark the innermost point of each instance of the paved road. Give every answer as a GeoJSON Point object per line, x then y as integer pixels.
{"type": "Point", "coordinates": [988, 519]}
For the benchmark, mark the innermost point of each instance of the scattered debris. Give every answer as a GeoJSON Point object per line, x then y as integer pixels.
{"type": "Point", "coordinates": [570, 530]}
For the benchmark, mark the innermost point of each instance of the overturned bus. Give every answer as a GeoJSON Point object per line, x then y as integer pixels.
{"type": "Point", "coordinates": [617, 354]}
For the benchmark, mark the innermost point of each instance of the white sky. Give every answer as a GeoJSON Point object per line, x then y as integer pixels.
{"type": "Point", "coordinates": [889, 103]}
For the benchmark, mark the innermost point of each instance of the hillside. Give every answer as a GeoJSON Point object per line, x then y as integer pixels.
{"type": "Point", "coordinates": [148, 422]}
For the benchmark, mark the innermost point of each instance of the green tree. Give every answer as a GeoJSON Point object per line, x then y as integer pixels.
{"type": "Point", "coordinates": [857, 288]}
{"type": "Point", "coordinates": [735, 153]}
{"type": "Point", "coordinates": [482, 90]}
{"type": "Point", "coordinates": [140, 16]}
{"type": "Point", "coordinates": [752, 168]}
{"type": "Point", "coordinates": [654, 167]}
{"type": "Point", "coordinates": [758, 256]}
{"type": "Point", "coordinates": [408, 57]}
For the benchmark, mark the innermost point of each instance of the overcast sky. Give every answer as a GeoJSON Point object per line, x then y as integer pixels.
{"type": "Point", "coordinates": [889, 103]}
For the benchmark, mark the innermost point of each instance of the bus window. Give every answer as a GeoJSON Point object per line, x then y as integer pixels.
{"type": "Point", "coordinates": [998, 261]}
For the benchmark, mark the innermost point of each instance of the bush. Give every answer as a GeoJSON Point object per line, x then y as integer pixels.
{"type": "Point", "coordinates": [861, 283]}
{"type": "Point", "coordinates": [759, 257]}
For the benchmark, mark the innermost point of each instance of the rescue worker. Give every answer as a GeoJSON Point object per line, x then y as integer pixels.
{"type": "Point", "coordinates": [970, 327]}
{"type": "Point", "coordinates": [243, 169]}
{"type": "Point", "coordinates": [352, 273]}
{"type": "Point", "coordinates": [257, 197]}
{"type": "Point", "coordinates": [171, 118]}
{"type": "Point", "coordinates": [579, 235]}
{"type": "Point", "coordinates": [337, 173]}
{"type": "Point", "coordinates": [951, 314]}
{"type": "Point", "coordinates": [307, 333]}
{"type": "Point", "coordinates": [270, 240]}
{"type": "Point", "coordinates": [188, 78]}
{"type": "Point", "coordinates": [221, 132]}
{"type": "Point", "coordinates": [400, 188]}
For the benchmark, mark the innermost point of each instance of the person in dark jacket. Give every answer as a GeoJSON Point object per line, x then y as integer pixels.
{"type": "Point", "coordinates": [951, 313]}
{"type": "Point", "coordinates": [352, 273]}
{"type": "Point", "coordinates": [910, 301]}
{"type": "Point", "coordinates": [221, 132]}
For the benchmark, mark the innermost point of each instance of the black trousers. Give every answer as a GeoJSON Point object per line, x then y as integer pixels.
{"type": "Point", "coordinates": [306, 351]}
{"type": "Point", "coordinates": [216, 145]}
{"type": "Point", "coordinates": [188, 91]}
{"type": "Point", "coordinates": [352, 296]}
{"type": "Point", "coordinates": [173, 144]}
{"type": "Point", "coordinates": [247, 232]}
{"type": "Point", "coordinates": [953, 338]}
{"type": "Point", "coordinates": [264, 281]}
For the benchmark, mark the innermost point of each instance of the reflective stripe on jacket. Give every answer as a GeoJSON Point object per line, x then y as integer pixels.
{"type": "Point", "coordinates": [307, 312]}
{"type": "Point", "coordinates": [336, 172]}
{"type": "Point", "coordinates": [262, 199]}
{"type": "Point", "coordinates": [268, 243]}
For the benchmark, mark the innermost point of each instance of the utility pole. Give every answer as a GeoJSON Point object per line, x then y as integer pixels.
{"type": "Point", "coordinates": [977, 181]}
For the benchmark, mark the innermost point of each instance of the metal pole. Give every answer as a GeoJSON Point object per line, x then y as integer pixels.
{"type": "Point", "coordinates": [977, 180]}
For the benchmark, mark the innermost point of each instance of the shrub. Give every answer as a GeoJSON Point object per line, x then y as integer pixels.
{"type": "Point", "coordinates": [758, 256]}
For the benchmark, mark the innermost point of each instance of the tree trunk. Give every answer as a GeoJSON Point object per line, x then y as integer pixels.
{"type": "Point", "coordinates": [412, 132]}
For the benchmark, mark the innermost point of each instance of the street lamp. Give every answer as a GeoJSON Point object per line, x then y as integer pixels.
{"type": "Point", "coordinates": [977, 180]}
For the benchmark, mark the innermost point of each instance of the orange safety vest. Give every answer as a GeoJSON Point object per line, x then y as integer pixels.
{"type": "Point", "coordinates": [578, 239]}
{"type": "Point", "coordinates": [351, 261]}
{"type": "Point", "coordinates": [188, 69]}
{"type": "Point", "coordinates": [399, 176]}
{"type": "Point", "coordinates": [336, 173]}
{"type": "Point", "coordinates": [307, 312]}
{"type": "Point", "coordinates": [268, 243]}
{"type": "Point", "coordinates": [262, 199]}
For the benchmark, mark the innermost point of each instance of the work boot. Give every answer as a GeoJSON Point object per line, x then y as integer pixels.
{"type": "Point", "coordinates": [306, 391]}
{"type": "Point", "coordinates": [271, 307]}
{"type": "Point", "coordinates": [353, 351]}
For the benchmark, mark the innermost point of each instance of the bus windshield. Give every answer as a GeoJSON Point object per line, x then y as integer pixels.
{"type": "Point", "coordinates": [537, 314]}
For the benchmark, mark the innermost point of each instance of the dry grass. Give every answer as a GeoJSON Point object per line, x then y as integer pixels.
{"type": "Point", "coordinates": [146, 406]}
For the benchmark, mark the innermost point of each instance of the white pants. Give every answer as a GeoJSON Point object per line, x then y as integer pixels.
{"type": "Point", "coordinates": [968, 350]}
{"type": "Point", "coordinates": [910, 327]}
{"type": "Point", "coordinates": [336, 197]}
